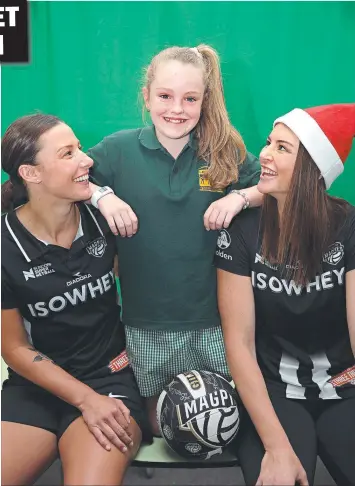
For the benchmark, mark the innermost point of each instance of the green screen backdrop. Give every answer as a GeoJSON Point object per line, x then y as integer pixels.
{"type": "Point", "coordinates": [87, 59]}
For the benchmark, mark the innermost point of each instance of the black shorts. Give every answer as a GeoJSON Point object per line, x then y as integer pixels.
{"type": "Point", "coordinates": [26, 403]}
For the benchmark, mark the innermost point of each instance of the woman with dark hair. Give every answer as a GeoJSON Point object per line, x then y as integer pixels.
{"type": "Point", "coordinates": [70, 388]}
{"type": "Point", "coordinates": [286, 293]}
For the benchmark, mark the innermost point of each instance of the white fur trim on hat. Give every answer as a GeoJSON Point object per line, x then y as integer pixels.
{"type": "Point", "coordinates": [315, 141]}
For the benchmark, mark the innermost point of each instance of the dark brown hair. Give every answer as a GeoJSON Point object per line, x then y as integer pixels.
{"type": "Point", "coordinates": [19, 146]}
{"type": "Point", "coordinates": [309, 220]}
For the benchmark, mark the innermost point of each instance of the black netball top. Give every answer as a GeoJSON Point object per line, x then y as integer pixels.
{"type": "Point", "coordinates": [302, 336]}
{"type": "Point", "coordinates": [67, 297]}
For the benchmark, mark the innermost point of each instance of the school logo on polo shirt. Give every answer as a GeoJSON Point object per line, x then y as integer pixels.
{"type": "Point", "coordinates": [204, 181]}
{"type": "Point", "coordinates": [97, 247]}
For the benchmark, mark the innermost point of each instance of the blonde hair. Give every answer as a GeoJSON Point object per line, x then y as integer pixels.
{"type": "Point", "coordinates": [219, 143]}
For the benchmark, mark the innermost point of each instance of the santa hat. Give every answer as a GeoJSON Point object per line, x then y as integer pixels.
{"type": "Point", "coordinates": [326, 132]}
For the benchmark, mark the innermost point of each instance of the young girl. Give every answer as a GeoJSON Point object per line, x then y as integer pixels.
{"type": "Point", "coordinates": [286, 296]}
{"type": "Point", "coordinates": [70, 389]}
{"type": "Point", "coordinates": [186, 174]}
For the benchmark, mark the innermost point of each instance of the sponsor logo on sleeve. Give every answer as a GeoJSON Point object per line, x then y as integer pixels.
{"type": "Point", "coordinates": [224, 239]}
{"type": "Point", "coordinates": [223, 242]}
{"type": "Point", "coordinates": [119, 363]}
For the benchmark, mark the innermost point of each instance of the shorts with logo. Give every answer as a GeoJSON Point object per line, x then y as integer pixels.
{"type": "Point", "coordinates": [26, 403]}
{"type": "Point", "coordinates": [158, 356]}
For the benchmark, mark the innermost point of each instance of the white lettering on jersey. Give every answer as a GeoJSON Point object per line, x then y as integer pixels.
{"type": "Point", "coordinates": [38, 271]}
{"type": "Point", "coordinates": [263, 261]}
{"type": "Point", "coordinates": [76, 296]}
{"type": "Point", "coordinates": [224, 255]}
{"type": "Point", "coordinates": [78, 278]}
{"type": "Point", "coordinates": [324, 281]}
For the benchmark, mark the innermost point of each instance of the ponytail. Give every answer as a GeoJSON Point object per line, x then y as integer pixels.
{"type": "Point", "coordinates": [12, 195]}
{"type": "Point", "coordinates": [219, 142]}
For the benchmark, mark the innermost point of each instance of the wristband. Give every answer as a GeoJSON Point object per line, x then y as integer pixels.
{"type": "Point", "coordinates": [99, 193]}
{"type": "Point", "coordinates": [244, 196]}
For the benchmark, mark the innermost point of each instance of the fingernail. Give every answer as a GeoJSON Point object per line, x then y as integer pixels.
{"type": "Point", "coordinates": [108, 448]}
{"type": "Point", "coordinates": [131, 444]}
{"type": "Point", "coordinates": [124, 449]}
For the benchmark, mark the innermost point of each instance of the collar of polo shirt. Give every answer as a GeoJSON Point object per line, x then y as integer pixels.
{"type": "Point", "coordinates": [149, 139]}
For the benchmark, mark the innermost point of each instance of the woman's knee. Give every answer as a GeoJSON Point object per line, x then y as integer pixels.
{"type": "Point", "coordinates": [86, 462]}
{"type": "Point", "coordinates": [26, 453]}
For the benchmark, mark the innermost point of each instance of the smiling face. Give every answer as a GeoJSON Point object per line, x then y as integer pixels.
{"type": "Point", "coordinates": [277, 161]}
{"type": "Point", "coordinates": [62, 169]}
{"type": "Point", "coordinates": [174, 100]}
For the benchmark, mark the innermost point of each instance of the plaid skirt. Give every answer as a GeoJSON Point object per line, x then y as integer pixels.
{"type": "Point", "coordinates": [158, 356]}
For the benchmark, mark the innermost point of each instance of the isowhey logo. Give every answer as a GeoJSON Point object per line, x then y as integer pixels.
{"type": "Point", "coordinates": [39, 271]}
{"type": "Point", "coordinates": [334, 254]}
{"type": "Point", "coordinates": [97, 247]}
{"type": "Point", "coordinates": [224, 239]}
{"type": "Point", "coordinates": [74, 297]}
{"type": "Point", "coordinates": [14, 31]}
{"type": "Point", "coordinates": [325, 281]}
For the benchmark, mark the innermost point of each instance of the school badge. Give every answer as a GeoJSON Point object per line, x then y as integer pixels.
{"type": "Point", "coordinates": [204, 181]}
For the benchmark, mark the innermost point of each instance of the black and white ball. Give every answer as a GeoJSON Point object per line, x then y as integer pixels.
{"type": "Point", "coordinates": [198, 414]}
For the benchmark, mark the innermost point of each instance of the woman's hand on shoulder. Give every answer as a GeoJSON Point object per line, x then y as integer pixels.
{"type": "Point", "coordinates": [281, 468]}
{"type": "Point", "coordinates": [108, 420]}
{"type": "Point", "coordinates": [220, 213]}
{"type": "Point", "coordinates": [119, 215]}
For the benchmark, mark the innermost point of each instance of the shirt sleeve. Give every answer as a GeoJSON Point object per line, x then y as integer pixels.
{"type": "Point", "coordinates": [249, 173]}
{"type": "Point", "coordinates": [350, 244]}
{"type": "Point", "coordinates": [232, 252]}
{"type": "Point", "coordinates": [101, 172]}
{"type": "Point", "coordinates": [8, 297]}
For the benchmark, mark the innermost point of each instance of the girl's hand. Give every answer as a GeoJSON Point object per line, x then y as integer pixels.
{"type": "Point", "coordinates": [119, 215]}
{"type": "Point", "coordinates": [220, 213]}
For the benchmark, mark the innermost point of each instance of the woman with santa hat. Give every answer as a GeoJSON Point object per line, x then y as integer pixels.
{"type": "Point", "coordinates": [286, 291]}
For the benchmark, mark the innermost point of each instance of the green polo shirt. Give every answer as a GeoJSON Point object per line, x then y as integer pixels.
{"type": "Point", "coordinates": [168, 281]}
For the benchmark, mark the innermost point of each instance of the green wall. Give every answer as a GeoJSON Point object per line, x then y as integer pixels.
{"type": "Point", "coordinates": [87, 60]}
